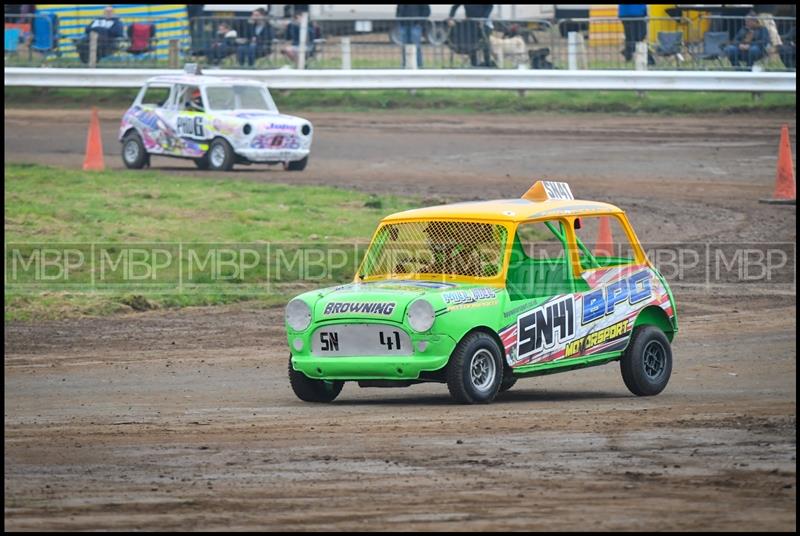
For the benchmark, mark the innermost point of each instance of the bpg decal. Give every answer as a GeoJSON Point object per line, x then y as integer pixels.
{"type": "Point", "coordinates": [601, 302]}
{"type": "Point", "coordinates": [191, 126]}
{"type": "Point", "coordinates": [544, 327]}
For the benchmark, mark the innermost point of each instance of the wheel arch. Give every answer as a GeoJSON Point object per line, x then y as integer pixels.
{"type": "Point", "coordinates": [128, 131]}
{"type": "Point", "coordinates": [652, 315]}
{"type": "Point", "coordinates": [494, 335]}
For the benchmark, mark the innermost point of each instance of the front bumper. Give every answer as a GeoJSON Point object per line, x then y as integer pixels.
{"type": "Point", "coordinates": [273, 155]}
{"type": "Point", "coordinates": [436, 354]}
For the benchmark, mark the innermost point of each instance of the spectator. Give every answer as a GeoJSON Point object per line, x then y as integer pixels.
{"type": "Point", "coordinates": [481, 30]}
{"type": "Point", "coordinates": [635, 27]}
{"type": "Point", "coordinates": [224, 44]}
{"type": "Point", "coordinates": [750, 43]}
{"type": "Point", "coordinates": [292, 50]}
{"type": "Point", "coordinates": [257, 38]}
{"type": "Point", "coordinates": [109, 30]}
{"type": "Point", "coordinates": [787, 50]}
{"type": "Point", "coordinates": [411, 30]}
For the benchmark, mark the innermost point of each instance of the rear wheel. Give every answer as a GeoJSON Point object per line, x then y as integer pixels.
{"type": "Point", "coordinates": [298, 165]}
{"type": "Point", "coordinates": [310, 390]}
{"type": "Point", "coordinates": [475, 370]}
{"type": "Point", "coordinates": [646, 364]}
{"type": "Point", "coordinates": [134, 155]}
{"type": "Point", "coordinates": [220, 155]}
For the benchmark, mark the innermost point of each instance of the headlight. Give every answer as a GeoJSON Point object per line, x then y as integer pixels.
{"type": "Point", "coordinates": [298, 315]}
{"type": "Point", "coordinates": [420, 315]}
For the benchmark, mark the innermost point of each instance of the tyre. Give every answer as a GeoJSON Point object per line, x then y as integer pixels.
{"type": "Point", "coordinates": [134, 155]}
{"type": "Point", "coordinates": [298, 165]}
{"type": "Point", "coordinates": [395, 35]}
{"type": "Point", "coordinates": [220, 155]}
{"type": "Point", "coordinates": [507, 382]}
{"type": "Point", "coordinates": [310, 390]}
{"type": "Point", "coordinates": [646, 364]}
{"type": "Point", "coordinates": [475, 370]}
{"type": "Point", "coordinates": [202, 163]}
{"type": "Point", "coordinates": [436, 34]}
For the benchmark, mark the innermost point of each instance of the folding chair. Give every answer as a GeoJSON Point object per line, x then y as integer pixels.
{"type": "Point", "coordinates": [142, 39]}
{"type": "Point", "coordinates": [11, 38]}
{"type": "Point", "coordinates": [45, 34]}
{"type": "Point", "coordinates": [670, 44]}
{"type": "Point", "coordinates": [713, 46]}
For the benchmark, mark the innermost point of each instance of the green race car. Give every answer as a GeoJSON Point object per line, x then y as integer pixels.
{"type": "Point", "coordinates": [479, 294]}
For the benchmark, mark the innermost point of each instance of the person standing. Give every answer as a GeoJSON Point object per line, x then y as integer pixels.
{"type": "Point", "coordinates": [411, 28]}
{"type": "Point", "coordinates": [257, 38]}
{"type": "Point", "coordinates": [480, 31]}
{"type": "Point", "coordinates": [292, 49]}
{"type": "Point", "coordinates": [635, 27]}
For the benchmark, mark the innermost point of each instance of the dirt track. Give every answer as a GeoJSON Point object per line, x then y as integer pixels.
{"type": "Point", "coordinates": [185, 420]}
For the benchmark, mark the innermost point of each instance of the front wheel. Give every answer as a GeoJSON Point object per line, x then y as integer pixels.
{"type": "Point", "coordinates": [221, 155]}
{"type": "Point", "coordinates": [310, 390]}
{"type": "Point", "coordinates": [298, 165]}
{"type": "Point", "coordinates": [646, 364]}
{"type": "Point", "coordinates": [475, 370]}
{"type": "Point", "coordinates": [134, 155]}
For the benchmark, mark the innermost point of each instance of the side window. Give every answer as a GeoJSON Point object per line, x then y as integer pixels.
{"type": "Point", "coordinates": [602, 241]}
{"type": "Point", "coordinates": [190, 99]}
{"type": "Point", "coordinates": [156, 96]}
{"type": "Point", "coordinates": [539, 265]}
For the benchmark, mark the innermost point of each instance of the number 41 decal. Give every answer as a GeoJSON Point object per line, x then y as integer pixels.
{"type": "Point", "coordinates": [389, 343]}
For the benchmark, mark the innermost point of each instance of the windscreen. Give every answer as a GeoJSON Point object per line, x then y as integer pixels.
{"type": "Point", "coordinates": [432, 248]}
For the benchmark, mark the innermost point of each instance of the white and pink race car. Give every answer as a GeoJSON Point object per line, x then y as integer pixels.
{"type": "Point", "coordinates": [215, 121]}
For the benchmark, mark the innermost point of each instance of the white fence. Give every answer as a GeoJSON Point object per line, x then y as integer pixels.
{"type": "Point", "coordinates": [521, 79]}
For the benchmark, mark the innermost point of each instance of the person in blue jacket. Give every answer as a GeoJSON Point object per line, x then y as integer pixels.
{"type": "Point", "coordinates": [635, 27]}
{"type": "Point", "coordinates": [109, 30]}
{"type": "Point", "coordinates": [750, 43]}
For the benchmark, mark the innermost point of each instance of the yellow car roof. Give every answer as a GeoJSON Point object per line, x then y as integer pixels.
{"type": "Point", "coordinates": [542, 200]}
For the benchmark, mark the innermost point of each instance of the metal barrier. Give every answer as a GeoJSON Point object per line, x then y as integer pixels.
{"type": "Point", "coordinates": [653, 43]}
{"type": "Point", "coordinates": [506, 79]}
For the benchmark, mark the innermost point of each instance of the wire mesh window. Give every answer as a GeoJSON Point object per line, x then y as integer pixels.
{"type": "Point", "coordinates": [434, 248]}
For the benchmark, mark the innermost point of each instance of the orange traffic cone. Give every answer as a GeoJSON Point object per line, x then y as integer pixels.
{"type": "Point", "coordinates": [605, 242]}
{"type": "Point", "coordinates": [94, 146]}
{"type": "Point", "coordinates": [785, 193]}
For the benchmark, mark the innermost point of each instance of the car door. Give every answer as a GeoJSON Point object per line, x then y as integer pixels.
{"type": "Point", "coordinates": [540, 310]}
{"type": "Point", "coordinates": [190, 120]}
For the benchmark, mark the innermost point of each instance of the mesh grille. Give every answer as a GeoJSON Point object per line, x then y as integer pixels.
{"type": "Point", "coordinates": [437, 248]}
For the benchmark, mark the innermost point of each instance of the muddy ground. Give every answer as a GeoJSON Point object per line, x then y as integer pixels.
{"type": "Point", "coordinates": [185, 420]}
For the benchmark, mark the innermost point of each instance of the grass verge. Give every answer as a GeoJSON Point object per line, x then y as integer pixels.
{"type": "Point", "coordinates": [89, 243]}
{"type": "Point", "coordinates": [455, 101]}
